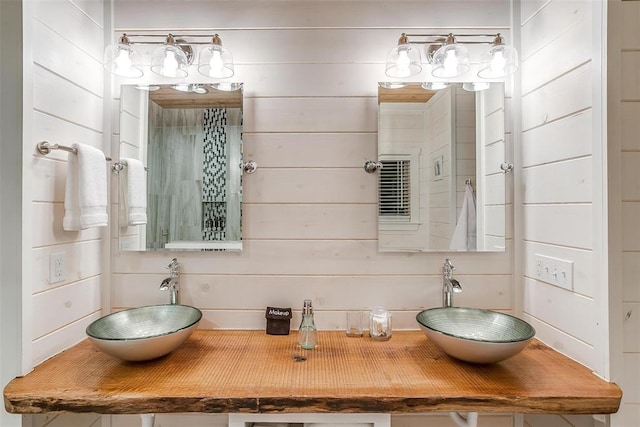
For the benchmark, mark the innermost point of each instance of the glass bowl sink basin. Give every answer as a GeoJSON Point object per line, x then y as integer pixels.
{"type": "Point", "coordinates": [144, 333]}
{"type": "Point", "coordinates": [475, 335]}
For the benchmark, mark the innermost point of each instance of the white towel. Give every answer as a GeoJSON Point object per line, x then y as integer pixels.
{"type": "Point", "coordinates": [133, 193]}
{"type": "Point", "coordinates": [85, 197]}
{"type": "Point", "coordinates": [464, 236]}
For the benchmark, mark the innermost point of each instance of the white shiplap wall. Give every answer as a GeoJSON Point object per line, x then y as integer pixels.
{"type": "Point", "coordinates": [561, 180]}
{"type": "Point", "coordinates": [559, 203]}
{"type": "Point", "coordinates": [310, 210]}
{"type": "Point", "coordinates": [625, 208]}
{"type": "Point", "coordinates": [310, 70]}
{"type": "Point", "coordinates": [63, 98]}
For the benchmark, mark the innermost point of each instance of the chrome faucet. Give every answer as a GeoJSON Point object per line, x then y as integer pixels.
{"type": "Point", "coordinates": [171, 283]}
{"type": "Point", "coordinates": [450, 285]}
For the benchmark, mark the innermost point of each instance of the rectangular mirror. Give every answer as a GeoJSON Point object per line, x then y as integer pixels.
{"type": "Point", "coordinates": [441, 187]}
{"type": "Point", "coordinates": [189, 138]}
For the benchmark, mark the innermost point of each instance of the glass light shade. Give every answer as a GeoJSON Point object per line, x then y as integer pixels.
{"type": "Point", "coordinates": [227, 86]}
{"type": "Point", "coordinates": [451, 60]}
{"type": "Point", "coordinates": [434, 85]}
{"type": "Point", "coordinates": [475, 86]}
{"type": "Point", "coordinates": [499, 61]}
{"type": "Point", "coordinates": [215, 61]}
{"type": "Point", "coordinates": [403, 61]}
{"type": "Point", "coordinates": [169, 61]}
{"type": "Point", "coordinates": [147, 87]}
{"type": "Point", "coordinates": [122, 60]}
{"type": "Point", "coordinates": [392, 85]}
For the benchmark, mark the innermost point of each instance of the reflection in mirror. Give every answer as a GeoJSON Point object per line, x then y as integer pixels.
{"type": "Point", "coordinates": [441, 187]}
{"type": "Point", "coordinates": [189, 137]}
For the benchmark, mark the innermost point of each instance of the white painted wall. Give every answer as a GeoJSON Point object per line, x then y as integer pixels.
{"type": "Point", "coordinates": [560, 201]}
{"type": "Point", "coordinates": [562, 194]}
{"type": "Point", "coordinates": [624, 199]}
{"type": "Point", "coordinates": [63, 103]}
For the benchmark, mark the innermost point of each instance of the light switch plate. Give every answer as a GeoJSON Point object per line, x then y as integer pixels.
{"type": "Point", "coordinates": [556, 271]}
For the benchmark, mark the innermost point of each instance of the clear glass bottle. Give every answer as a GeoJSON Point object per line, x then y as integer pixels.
{"type": "Point", "coordinates": [307, 333]}
{"type": "Point", "coordinates": [380, 324]}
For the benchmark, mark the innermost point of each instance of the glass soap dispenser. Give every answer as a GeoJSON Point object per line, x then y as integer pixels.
{"type": "Point", "coordinates": [307, 333]}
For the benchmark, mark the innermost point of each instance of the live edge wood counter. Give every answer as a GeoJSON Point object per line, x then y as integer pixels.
{"type": "Point", "coordinates": [249, 371]}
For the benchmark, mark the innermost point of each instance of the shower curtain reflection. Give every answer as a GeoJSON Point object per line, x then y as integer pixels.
{"type": "Point", "coordinates": [193, 193]}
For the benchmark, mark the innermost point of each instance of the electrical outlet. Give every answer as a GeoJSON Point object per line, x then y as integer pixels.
{"type": "Point", "coordinates": [56, 268]}
{"type": "Point", "coordinates": [558, 272]}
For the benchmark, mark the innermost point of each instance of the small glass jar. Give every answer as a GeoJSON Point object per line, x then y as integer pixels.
{"type": "Point", "coordinates": [380, 324]}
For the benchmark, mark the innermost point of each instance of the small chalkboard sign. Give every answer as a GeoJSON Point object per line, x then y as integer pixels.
{"type": "Point", "coordinates": [278, 320]}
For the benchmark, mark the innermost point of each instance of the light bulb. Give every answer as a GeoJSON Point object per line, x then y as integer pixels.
{"type": "Point", "coordinates": [498, 62]}
{"type": "Point", "coordinates": [170, 65]}
{"type": "Point", "coordinates": [403, 63]}
{"type": "Point", "coordinates": [216, 64]}
{"type": "Point", "coordinates": [123, 63]}
{"type": "Point", "coordinates": [451, 63]}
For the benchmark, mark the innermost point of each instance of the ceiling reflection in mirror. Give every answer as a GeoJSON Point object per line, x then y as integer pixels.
{"type": "Point", "coordinates": [441, 188]}
{"type": "Point", "coordinates": [189, 137]}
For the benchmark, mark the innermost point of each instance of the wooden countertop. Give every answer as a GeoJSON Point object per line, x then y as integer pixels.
{"type": "Point", "coordinates": [249, 371]}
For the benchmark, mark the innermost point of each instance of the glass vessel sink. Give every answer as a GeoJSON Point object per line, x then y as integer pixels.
{"type": "Point", "coordinates": [475, 335]}
{"type": "Point", "coordinates": [144, 333]}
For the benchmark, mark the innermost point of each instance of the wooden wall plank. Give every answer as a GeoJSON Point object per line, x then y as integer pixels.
{"type": "Point", "coordinates": [565, 225]}
{"type": "Point", "coordinates": [631, 235]}
{"type": "Point", "coordinates": [306, 185]}
{"type": "Point", "coordinates": [71, 23]}
{"type": "Point", "coordinates": [220, 292]}
{"type": "Point", "coordinates": [53, 129]}
{"type": "Point", "coordinates": [556, 18]}
{"type": "Point", "coordinates": [60, 306]}
{"type": "Point", "coordinates": [219, 14]}
{"type": "Point", "coordinates": [266, 115]}
{"type": "Point", "coordinates": [569, 50]}
{"type": "Point", "coordinates": [61, 339]}
{"type": "Point", "coordinates": [304, 222]}
{"type": "Point", "coordinates": [321, 257]}
{"type": "Point", "coordinates": [317, 150]}
{"type": "Point", "coordinates": [65, 59]}
{"type": "Point", "coordinates": [564, 182]}
{"type": "Point", "coordinates": [564, 139]}
{"type": "Point", "coordinates": [562, 97]}
{"type": "Point", "coordinates": [630, 126]}
{"type": "Point", "coordinates": [630, 276]}
{"type": "Point", "coordinates": [47, 226]}
{"type": "Point", "coordinates": [65, 100]}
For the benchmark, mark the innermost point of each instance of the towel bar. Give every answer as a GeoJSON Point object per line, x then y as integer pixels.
{"type": "Point", "coordinates": [45, 147]}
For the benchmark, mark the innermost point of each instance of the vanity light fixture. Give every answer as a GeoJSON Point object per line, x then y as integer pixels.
{"type": "Point", "coordinates": [148, 88]}
{"type": "Point", "coordinates": [392, 85]}
{"type": "Point", "coordinates": [189, 87]}
{"type": "Point", "coordinates": [215, 61]}
{"type": "Point", "coordinates": [403, 60]}
{"type": "Point", "coordinates": [499, 61]}
{"type": "Point", "coordinates": [172, 58]}
{"type": "Point", "coordinates": [449, 57]}
{"type": "Point", "coordinates": [121, 59]}
{"type": "Point", "coordinates": [475, 86]}
{"type": "Point", "coordinates": [434, 85]}
{"type": "Point", "coordinates": [450, 60]}
{"type": "Point", "coordinates": [227, 86]}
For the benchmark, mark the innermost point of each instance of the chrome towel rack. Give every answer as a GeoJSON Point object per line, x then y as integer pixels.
{"type": "Point", "coordinates": [45, 147]}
